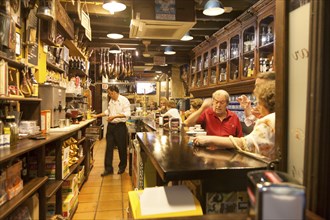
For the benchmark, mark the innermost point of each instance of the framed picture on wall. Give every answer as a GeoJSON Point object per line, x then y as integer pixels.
{"type": "Point", "coordinates": [15, 11]}
{"type": "Point", "coordinates": [18, 44]}
{"type": "Point", "coordinates": [165, 9]}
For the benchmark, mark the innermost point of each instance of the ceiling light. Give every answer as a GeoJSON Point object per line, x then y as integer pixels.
{"type": "Point", "coordinates": [169, 51]}
{"type": "Point", "coordinates": [187, 37]}
{"type": "Point", "coordinates": [115, 36]}
{"type": "Point", "coordinates": [113, 6]}
{"type": "Point", "coordinates": [114, 49]}
{"type": "Point", "coordinates": [213, 8]}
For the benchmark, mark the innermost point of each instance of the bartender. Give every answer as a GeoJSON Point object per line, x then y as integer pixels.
{"type": "Point", "coordinates": [118, 111]}
{"type": "Point", "coordinates": [215, 118]}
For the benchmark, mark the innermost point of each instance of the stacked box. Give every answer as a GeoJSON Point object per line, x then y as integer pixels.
{"type": "Point", "coordinates": [69, 203]}
{"type": "Point", "coordinates": [51, 206]}
{"type": "Point", "coordinates": [81, 175]}
{"type": "Point", "coordinates": [70, 185]}
{"type": "Point", "coordinates": [93, 132]}
{"type": "Point", "coordinates": [50, 170]}
{"type": "Point", "coordinates": [3, 192]}
{"type": "Point", "coordinates": [14, 180]}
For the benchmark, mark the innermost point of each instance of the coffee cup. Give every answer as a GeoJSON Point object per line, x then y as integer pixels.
{"type": "Point", "coordinates": [198, 127]}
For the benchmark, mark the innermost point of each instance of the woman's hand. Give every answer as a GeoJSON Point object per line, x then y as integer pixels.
{"type": "Point", "coordinates": [244, 101]}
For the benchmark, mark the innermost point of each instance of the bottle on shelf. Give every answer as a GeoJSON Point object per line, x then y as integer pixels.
{"type": "Point", "coordinates": [223, 75]}
{"type": "Point", "coordinates": [269, 36]}
{"type": "Point", "coordinates": [271, 64]}
{"type": "Point", "coordinates": [263, 36]}
{"type": "Point", "coordinates": [250, 68]}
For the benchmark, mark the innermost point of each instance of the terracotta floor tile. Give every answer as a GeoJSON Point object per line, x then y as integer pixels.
{"type": "Point", "coordinates": [113, 215]}
{"type": "Point", "coordinates": [90, 183]}
{"type": "Point", "coordinates": [110, 206]}
{"type": "Point", "coordinates": [110, 196]}
{"type": "Point", "coordinates": [86, 207]}
{"type": "Point", "coordinates": [108, 181]}
{"type": "Point", "coordinates": [90, 190]}
{"type": "Point", "coordinates": [110, 189]}
{"type": "Point", "coordinates": [83, 216]}
{"type": "Point", "coordinates": [88, 198]}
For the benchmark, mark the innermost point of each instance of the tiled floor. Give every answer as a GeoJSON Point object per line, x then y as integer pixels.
{"type": "Point", "coordinates": [104, 198]}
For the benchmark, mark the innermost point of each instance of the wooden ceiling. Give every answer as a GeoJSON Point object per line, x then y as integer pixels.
{"type": "Point", "coordinates": [103, 23]}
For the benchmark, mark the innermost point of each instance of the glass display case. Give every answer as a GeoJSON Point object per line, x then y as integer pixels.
{"type": "Point", "coordinates": [249, 45]}
{"type": "Point", "coordinates": [192, 78]}
{"type": "Point", "coordinates": [266, 44]}
{"type": "Point", "coordinates": [214, 56]}
{"type": "Point", "coordinates": [234, 58]}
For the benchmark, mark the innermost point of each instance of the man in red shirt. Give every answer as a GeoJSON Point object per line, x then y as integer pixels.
{"type": "Point", "coordinates": [215, 118]}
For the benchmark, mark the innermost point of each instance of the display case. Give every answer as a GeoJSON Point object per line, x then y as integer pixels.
{"type": "Point", "coordinates": [192, 77]}
{"type": "Point", "coordinates": [234, 61]}
{"type": "Point", "coordinates": [266, 43]}
{"type": "Point", "coordinates": [236, 53]}
{"type": "Point", "coordinates": [223, 61]}
{"type": "Point", "coordinates": [249, 45]}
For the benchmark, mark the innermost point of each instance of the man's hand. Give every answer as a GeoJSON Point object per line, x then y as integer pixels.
{"type": "Point", "coordinates": [94, 116]}
{"type": "Point", "coordinates": [110, 118]}
{"type": "Point", "coordinates": [207, 103]}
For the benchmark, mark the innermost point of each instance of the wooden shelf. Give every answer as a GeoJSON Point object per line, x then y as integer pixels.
{"type": "Point", "coordinates": [267, 46]}
{"type": "Point", "coordinates": [77, 72]}
{"type": "Point", "coordinates": [12, 63]}
{"type": "Point", "coordinates": [52, 187]}
{"type": "Point", "coordinates": [21, 99]}
{"type": "Point", "coordinates": [249, 53]}
{"type": "Point", "coordinates": [73, 49]}
{"type": "Point", "coordinates": [81, 140]}
{"type": "Point", "coordinates": [28, 190]}
{"type": "Point", "coordinates": [54, 67]}
{"type": "Point", "coordinates": [73, 167]}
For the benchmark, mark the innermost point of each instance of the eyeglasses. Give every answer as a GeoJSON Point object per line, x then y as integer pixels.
{"type": "Point", "coordinates": [222, 102]}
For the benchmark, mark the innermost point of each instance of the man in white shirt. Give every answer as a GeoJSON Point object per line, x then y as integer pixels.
{"type": "Point", "coordinates": [118, 111]}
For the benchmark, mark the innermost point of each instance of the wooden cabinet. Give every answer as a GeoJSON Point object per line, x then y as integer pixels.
{"type": "Point", "coordinates": [233, 56]}
{"type": "Point", "coordinates": [35, 180]}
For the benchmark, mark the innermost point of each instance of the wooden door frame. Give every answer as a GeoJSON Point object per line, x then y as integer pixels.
{"type": "Point", "coordinates": [317, 144]}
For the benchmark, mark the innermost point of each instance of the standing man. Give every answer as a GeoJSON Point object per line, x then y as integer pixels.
{"type": "Point", "coordinates": [215, 118]}
{"type": "Point", "coordinates": [117, 113]}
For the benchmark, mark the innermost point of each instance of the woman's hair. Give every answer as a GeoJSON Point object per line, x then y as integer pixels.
{"type": "Point", "coordinates": [196, 103]}
{"type": "Point", "coordinates": [163, 99]}
{"type": "Point", "coordinates": [265, 93]}
{"type": "Point", "coordinates": [221, 92]}
{"type": "Point", "coordinates": [267, 75]}
{"type": "Point", "coordinates": [172, 104]}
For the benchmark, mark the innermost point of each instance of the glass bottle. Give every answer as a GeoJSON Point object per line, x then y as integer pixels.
{"type": "Point", "coordinates": [14, 132]}
{"type": "Point", "coordinates": [269, 36]}
{"type": "Point", "coordinates": [263, 37]}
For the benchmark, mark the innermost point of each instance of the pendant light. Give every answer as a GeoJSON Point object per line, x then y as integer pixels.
{"type": "Point", "coordinates": [169, 51]}
{"type": "Point", "coordinates": [113, 6]}
{"type": "Point", "coordinates": [187, 37]}
{"type": "Point", "coordinates": [45, 11]}
{"type": "Point", "coordinates": [114, 48]}
{"type": "Point", "coordinates": [115, 36]}
{"type": "Point", "coordinates": [213, 8]}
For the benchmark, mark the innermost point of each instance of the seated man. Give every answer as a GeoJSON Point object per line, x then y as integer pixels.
{"type": "Point", "coordinates": [215, 118]}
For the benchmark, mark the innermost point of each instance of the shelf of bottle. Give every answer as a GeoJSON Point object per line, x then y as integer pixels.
{"type": "Point", "coordinates": [234, 58]}
{"type": "Point", "coordinates": [19, 98]}
{"type": "Point", "coordinates": [73, 49]}
{"type": "Point", "coordinates": [54, 67]}
{"type": "Point", "coordinates": [223, 63]}
{"type": "Point", "coordinates": [12, 63]}
{"type": "Point", "coordinates": [77, 72]}
{"type": "Point", "coordinates": [267, 46]}
{"type": "Point", "coordinates": [249, 53]}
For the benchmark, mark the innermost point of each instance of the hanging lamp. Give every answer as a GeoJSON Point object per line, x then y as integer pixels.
{"type": "Point", "coordinates": [169, 51]}
{"type": "Point", "coordinates": [114, 48]}
{"type": "Point", "coordinates": [113, 6]}
{"type": "Point", "coordinates": [213, 8]}
{"type": "Point", "coordinates": [187, 37]}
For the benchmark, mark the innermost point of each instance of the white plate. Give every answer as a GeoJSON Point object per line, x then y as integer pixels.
{"type": "Point", "coordinates": [199, 130]}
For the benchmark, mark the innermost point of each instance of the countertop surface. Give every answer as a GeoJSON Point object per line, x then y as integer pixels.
{"type": "Point", "coordinates": [175, 159]}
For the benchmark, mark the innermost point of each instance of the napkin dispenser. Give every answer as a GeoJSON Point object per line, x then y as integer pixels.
{"type": "Point", "coordinates": [275, 195]}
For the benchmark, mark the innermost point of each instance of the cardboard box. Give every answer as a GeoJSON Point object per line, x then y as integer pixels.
{"type": "Point", "coordinates": [69, 202]}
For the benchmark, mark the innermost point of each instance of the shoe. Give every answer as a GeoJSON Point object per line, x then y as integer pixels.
{"type": "Point", "coordinates": [121, 171]}
{"type": "Point", "coordinates": [106, 173]}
